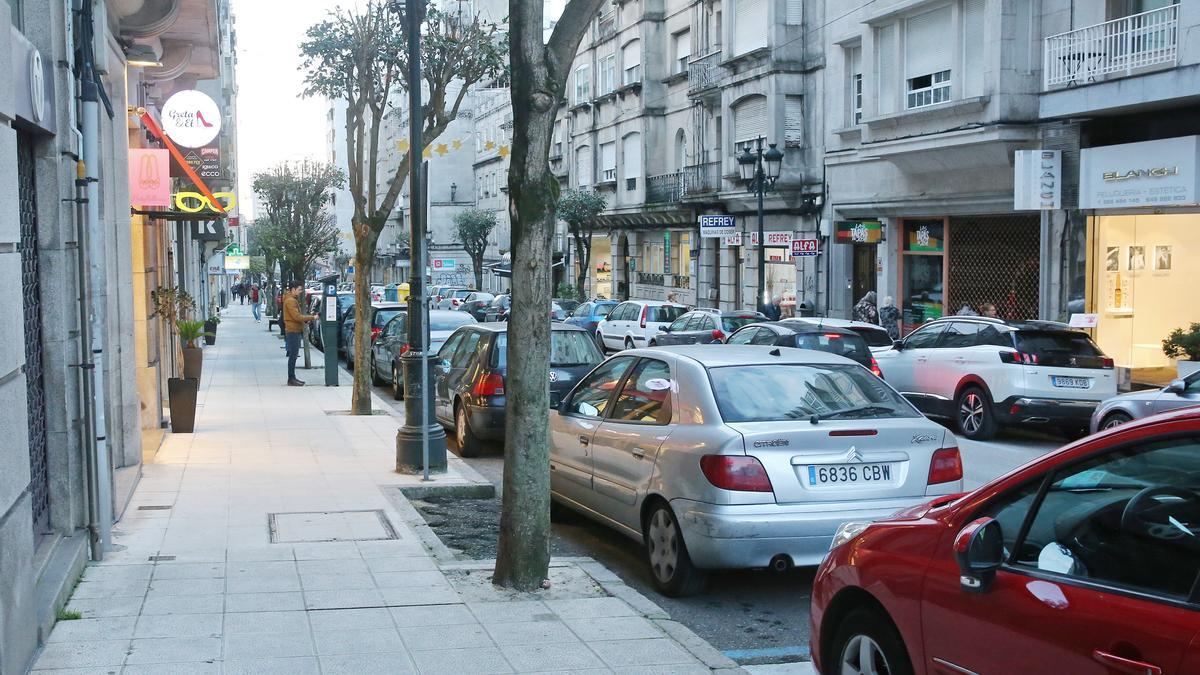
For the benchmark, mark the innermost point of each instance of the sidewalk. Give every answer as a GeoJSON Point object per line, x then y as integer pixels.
{"type": "Point", "coordinates": [276, 540]}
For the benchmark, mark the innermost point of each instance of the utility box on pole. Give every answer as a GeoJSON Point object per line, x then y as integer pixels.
{"type": "Point", "coordinates": [329, 328]}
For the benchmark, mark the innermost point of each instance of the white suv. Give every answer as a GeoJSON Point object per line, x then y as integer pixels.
{"type": "Point", "coordinates": [984, 372]}
{"type": "Point", "coordinates": [633, 322]}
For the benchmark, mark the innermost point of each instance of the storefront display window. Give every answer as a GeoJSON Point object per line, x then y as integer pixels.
{"type": "Point", "coordinates": [923, 276]}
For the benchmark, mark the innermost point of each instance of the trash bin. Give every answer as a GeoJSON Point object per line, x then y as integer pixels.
{"type": "Point", "coordinates": [402, 292]}
{"type": "Point", "coordinates": [389, 293]}
{"type": "Point", "coordinates": [806, 308]}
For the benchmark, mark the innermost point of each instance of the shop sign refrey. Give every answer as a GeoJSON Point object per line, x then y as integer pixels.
{"type": "Point", "coordinates": [717, 226]}
{"type": "Point", "coordinates": [191, 118]}
{"type": "Point", "coordinates": [1150, 173]}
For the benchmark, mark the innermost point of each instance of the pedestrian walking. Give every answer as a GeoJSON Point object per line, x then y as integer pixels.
{"type": "Point", "coordinates": [254, 303]}
{"type": "Point", "coordinates": [889, 317]}
{"type": "Point", "coordinates": [241, 294]}
{"type": "Point", "coordinates": [293, 324]}
{"type": "Point", "coordinates": [865, 310]}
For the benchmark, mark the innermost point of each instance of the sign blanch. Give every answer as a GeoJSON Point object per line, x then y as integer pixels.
{"type": "Point", "coordinates": [1037, 182]}
{"type": "Point", "coordinates": [1162, 172]}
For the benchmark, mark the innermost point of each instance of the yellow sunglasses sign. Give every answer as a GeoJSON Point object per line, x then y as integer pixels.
{"type": "Point", "coordinates": [194, 202]}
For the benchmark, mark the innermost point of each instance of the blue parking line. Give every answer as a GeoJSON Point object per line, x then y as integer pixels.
{"type": "Point", "coordinates": [800, 651]}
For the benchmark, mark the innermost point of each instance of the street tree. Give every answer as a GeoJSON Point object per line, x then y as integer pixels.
{"type": "Point", "coordinates": [523, 554]}
{"type": "Point", "coordinates": [295, 200]}
{"type": "Point", "coordinates": [578, 208]}
{"type": "Point", "coordinates": [474, 228]}
{"type": "Point", "coordinates": [359, 56]}
{"type": "Point", "coordinates": [261, 240]}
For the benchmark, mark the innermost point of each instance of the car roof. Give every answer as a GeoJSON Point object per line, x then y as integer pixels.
{"type": "Point", "coordinates": [390, 305]}
{"type": "Point", "coordinates": [502, 326]}
{"type": "Point", "coordinates": [830, 321]}
{"type": "Point", "coordinates": [655, 303]}
{"type": "Point", "coordinates": [800, 327]}
{"type": "Point", "coordinates": [1029, 324]}
{"type": "Point", "coordinates": [742, 355]}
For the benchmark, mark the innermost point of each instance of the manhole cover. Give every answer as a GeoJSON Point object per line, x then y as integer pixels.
{"type": "Point", "coordinates": [318, 526]}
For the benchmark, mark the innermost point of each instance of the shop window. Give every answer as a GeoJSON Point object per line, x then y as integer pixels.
{"type": "Point", "coordinates": [923, 277]}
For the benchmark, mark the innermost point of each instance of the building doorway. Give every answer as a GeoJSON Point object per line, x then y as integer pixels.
{"type": "Point", "coordinates": [863, 278]}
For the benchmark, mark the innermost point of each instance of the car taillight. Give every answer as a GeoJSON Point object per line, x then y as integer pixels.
{"type": "Point", "coordinates": [875, 368]}
{"type": "Point", "coordinates": [1019, 358]}
{"type": "Point", "coordinates": [404, 349]}
{"type": "Point", "coordinates": [455, 302]}
{"type": "Point", "coordinates": [375, 333]}
{"type": "Point", "coordinates": [491, 384]}
{"type": "Point", "coordinates": [1107, 363]}
{"type": "Point", "coordinates": [644, 310]}
{"type": "Point", "coordinates": [946, 466]}
{"type": "Point", "coordinates": [735, 472]}
{"type": "Point", "coordinates": [718, 335]}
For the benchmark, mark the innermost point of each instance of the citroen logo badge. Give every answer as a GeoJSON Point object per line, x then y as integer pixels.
{"type": "Point", "coordinates": [854, 455]}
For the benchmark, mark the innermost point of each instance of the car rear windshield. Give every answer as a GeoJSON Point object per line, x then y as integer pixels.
{"type": "Point", "coordinates": [732, 323]}
{"type": "Point", "coordinates": [664, 313]}
{"type": "Point", "coordinates": [850, 346]}
{"type": "Point", "coordinates": [462, 293]}
{"type": "Point", "coordinates": [1059, 347]}
{"type": "Point", "coordinates": [385, 315]}
{"type": "Point", "coordinates": [567, 348]}
{"type": "Point", "coordinates": [779, 393]}
{"type": "Point", "coordinates": [874, 337]}
{"type": "Point", "coordinates": [448, 322]}
{"type": "Point", "coordinates": [604, 310]}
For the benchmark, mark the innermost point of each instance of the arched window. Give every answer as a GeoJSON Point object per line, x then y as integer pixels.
{"type": "Point", "coordinates": [680, 150]}
{"type": "Point", "coordinates": [583, 166]}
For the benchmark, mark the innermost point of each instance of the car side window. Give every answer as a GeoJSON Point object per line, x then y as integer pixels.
{"type": "Point", "coordinates": [466, 349]}
{"type": "Point", "coordinates": [925, 337]}
{"type": "Point", "coordinates": [646, 396]}
{"type": "Point", "coordinates": [744, 336]}
{"type": "Point", "coordinates": [583, 310]}
{"type": "Point", "coordinates": [993, 336]}
{"type": "Point", "coordinates": [592, 396]}
{"type": "Point", "coordinates": [680, 323]}
{"type": "Point", "coordinates": [765, 336]}
{"type": "Point", "coordinates": [706, 322]}
{"type": "Point", "coordinates": [451, 345]}
{"type": "Point", "coordinates": [959, 334]}
{"type": "Point", "coordinates": [1127, 518]}
{"type": "Point", "coordinates": [396, 327]}
{"type": "Point", "coordinates": [1191, 385]}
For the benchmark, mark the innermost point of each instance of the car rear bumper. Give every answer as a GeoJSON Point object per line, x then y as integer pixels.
{"type": "Point", "coordinates": [747, 536]}
{"type": "Point", "coordinates": [1031, 410]}
{"type": "Point", "coordinates": [487, 422]}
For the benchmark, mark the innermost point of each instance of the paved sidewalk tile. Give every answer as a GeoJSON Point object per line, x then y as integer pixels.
{"type": "Point", "coordinates": [551, 658]}
{"type": "Point", "coordinates": [482, 661]}
{"type": "Point", "coordinates": [178, 626]}
{"type": "Point", "coordinates": [113, 628]}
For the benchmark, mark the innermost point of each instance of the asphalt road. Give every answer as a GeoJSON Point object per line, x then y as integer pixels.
{"type": "Point", "coordinates": [754, 617]}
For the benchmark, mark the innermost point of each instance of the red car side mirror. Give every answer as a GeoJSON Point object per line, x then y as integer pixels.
{"type": "Point", "coordinates": [979, 551]}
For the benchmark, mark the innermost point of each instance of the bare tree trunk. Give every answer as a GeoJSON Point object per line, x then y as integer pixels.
{"type": "Point", "coordinates": [364, 247]}
{"type": "Point", "coordinates": [581, 277]}
{"type": "Point", "coordinates": [478, 263]}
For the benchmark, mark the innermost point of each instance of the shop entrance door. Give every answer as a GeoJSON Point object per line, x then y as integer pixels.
{"type": "Point", "coordinates": [864, 270]}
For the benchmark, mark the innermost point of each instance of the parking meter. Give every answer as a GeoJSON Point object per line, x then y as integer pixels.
{"type": "Point", "coordinates": [329, 329]}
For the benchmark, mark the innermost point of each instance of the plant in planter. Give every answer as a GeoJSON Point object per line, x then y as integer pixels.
{"type": "Point", "coordinates": [210, 329]}
{"type": "Point", "coordinates": [193, 355]}
{"type": "Point", "coordinates": [1184, 345]}
{"type": "Point", "coordinates": [173, 305]}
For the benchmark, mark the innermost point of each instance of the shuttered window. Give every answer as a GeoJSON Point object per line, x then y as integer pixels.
{"type": "Point", "coordinates": [972, 77]}
{"type": "Point", "coordinates": [749, 120]}
{"type": "Point", "coordinates": [749, 25]}
{"type": "Point", "coordinates": [631, 156]}
{"type": "Point", "coordinates": [795, 12]}
{"type": "Point", "coordinates": [793, 121]}
{"type": "Point", "coordinates": [583, 166]}
{"type": "Point", "coordinates": [854, 84]}
{"type": "Point", "coordinates": [683, 51]}
{"type": "Point", "coordinates": [608, 162]}
{"type": "Point", "coordinates": [631, 62]}
{"type": "Point", "coordinates": [885, 65]}
{"type": "Point", "coordinates": [929, 43]}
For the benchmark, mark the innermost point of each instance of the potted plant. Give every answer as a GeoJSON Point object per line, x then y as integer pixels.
{"type": "Point", "coordinates": [193, 355]}
{"type": "Point", "coordinates": [1184, 346]}
{"type": "Point", "coordinates": [210, 329]}
{"type": "Point", "coordinates": [173, 304]}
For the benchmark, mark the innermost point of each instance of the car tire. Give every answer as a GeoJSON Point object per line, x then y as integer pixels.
{"type": "Point", "coordinates": [375, 378]}
{"type": "Point", "coordinates": [468, 443]}
{"type": "Point", "coordinates": [653, 343]}
{"type": "Point", "coordinates": [1114, 419]}
{"type": "Point", "coordinates": [883, 645]}
{"type": "Point", "coordinates": [671, 568]}
{"type": "Point", "coordinates": [397, 384]}
{"type": "Point", "coordinates": [973, 414]}
{"type": "Point", "coordinates": [628, 343]}
{"type": "Point", "coordinates": [600, 342]}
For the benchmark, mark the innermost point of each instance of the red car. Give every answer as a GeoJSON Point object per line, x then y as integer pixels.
{"type": "Point", "coordinates": [1086, 560]}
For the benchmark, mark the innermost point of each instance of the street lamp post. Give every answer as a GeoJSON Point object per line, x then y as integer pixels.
{"type": "Point", "coordinates": [760, 169]}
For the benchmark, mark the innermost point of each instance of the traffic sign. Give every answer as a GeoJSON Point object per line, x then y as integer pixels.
{"type": "Point", "coordinates": [717, 226]}
{"type": "Point", "coordinates": [805, 248]}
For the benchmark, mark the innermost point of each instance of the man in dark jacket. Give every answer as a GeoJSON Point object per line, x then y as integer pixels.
{"type": "Point", "coordinates": [293, 327]}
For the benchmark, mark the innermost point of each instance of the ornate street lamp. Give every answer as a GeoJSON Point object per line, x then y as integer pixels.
{"type": "Point", "coordinates": [760, 169]}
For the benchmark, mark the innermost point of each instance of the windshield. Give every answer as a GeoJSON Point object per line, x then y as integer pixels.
{"type": "Point", "coordinates": [603, 310]}
{"type": "Point", "coordinates": [462, 293]}
{"type": "Point", "coordinates": [449, 321]}
{"type": "Point", "coordinates": [567, 348]}
{"type": "Point", "coordinates": [780, 393]}
{"type": "Point", "coordinates": [385, 315]}
{"type": "Point", "coordinates": [664, 313]}
{"type": "Point", "coordinates": [874, 337]}
{"type": "Point", "coordinates": [731, 323]}
{"type": "Point", "coordinates": [850, 346]}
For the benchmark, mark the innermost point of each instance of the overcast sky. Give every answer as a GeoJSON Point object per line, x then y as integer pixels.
{"type": "Point", "coordinates": [274, 123]}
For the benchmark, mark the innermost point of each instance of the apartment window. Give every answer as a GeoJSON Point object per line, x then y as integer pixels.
{"type": "Point", "coordinates": [631, 159]}
{"type": "Point", "coordinates": [854, 83]}
{"type": "Point", "coordinates": [583, 167]}
{"type": "Point", "coordinates": [583, 84]}
{"type": "Point", "coordinates": [631, 62]}
{"type": "Point", "coordinates": [749, 122]}
{"type": "Point", "coordinates": [928, 57]}
{"type": "Point", "coordinates": [608, 162]}
{"type": "Point", "coordinates": [683, 51]}
{"type": "Point", "coordinates": [608, 74]}
{"type": "Point", "coordinates": [793, 121]}
{"type": "Point", "coordinates": [750, 27]}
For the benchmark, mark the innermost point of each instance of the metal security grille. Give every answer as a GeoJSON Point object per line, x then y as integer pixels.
{"type": "Point", "coordinates": [994, 259]}
{"type": "Point", "coordinates": [31, 297]}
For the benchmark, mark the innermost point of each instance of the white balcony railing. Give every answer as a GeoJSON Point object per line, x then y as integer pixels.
{"type": "Point", "coordinates": [1120, 46]}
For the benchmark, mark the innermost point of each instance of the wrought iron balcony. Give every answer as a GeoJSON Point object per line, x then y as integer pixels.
{"type": "Point", "coordinates": [650, 279]}
{"type": "Point", "coordinates": [664, 188]}
{"type": "Point", "coordinates": [703, 73]}
{"type": "Point", "coordinates": [693, 180]}
{"type": "Point", "coordinates": [1117, 47]}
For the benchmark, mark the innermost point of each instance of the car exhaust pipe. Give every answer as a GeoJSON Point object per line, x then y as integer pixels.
{"type": "Point", "coordinates": [781, 563]}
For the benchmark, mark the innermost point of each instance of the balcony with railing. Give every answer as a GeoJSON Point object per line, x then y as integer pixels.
{"type": "Point", "coordinates": [650, 278]}
{"type": "Point", "coordinates": [1114, 48]}
{"type": "Point", "coordinates": [679, 185]}
{"type": "Point", "coordinates": [606, 27]}
{"type": "Point", "coordinates": [664, 188]}
{"type": "Point", "coordinates": [704, 73]}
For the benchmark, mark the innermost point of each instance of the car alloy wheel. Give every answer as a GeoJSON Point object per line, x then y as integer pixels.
{"type": "Point", "coordinates": [975, 418]}
{"type": "Point", "coordinates": [628, 343]}
{"type": "Point", "coordinates": [397, 384]}
{"type": "Point", "coordinates": [468, 444]}
{"type": "Point", "coordinates": [1115, 420]}
{"type": "Point", "coordinates": [862, 656]}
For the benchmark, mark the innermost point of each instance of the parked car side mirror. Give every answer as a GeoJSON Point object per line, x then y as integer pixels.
{"type": "Point", "coordinates": [898, 345]}
{"type": "Point", "coordinates": [561, 407]}
{"type": "Point", "coordinates": [664, 329]}
{"type": "Point", "coordinates": [1176, 387]}
{"type": "Point", "coordinates": [979, 551]}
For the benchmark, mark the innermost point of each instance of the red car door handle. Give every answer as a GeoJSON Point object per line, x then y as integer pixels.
{"type": "Point", "coordinates": [1125, 665]}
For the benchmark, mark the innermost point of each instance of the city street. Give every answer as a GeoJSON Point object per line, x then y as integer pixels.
{"type": "Point", "coordinates": [754, 617]}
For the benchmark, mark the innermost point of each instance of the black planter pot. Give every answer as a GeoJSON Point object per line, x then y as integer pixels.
{"type": "Point", "coordinates": [182, 395]}
{"type": "Point", "coordinates": [211, 328]}
{"type": "Point", "coordinates": [193, 362]}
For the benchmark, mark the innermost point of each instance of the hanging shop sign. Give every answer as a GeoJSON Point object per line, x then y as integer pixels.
{"type": "Point", "coordinates": [924, 236]}
{"type": "Point", "coordinates": [734, 239]}
{"type": "Point", "coordinates": [805, 248]}
{"type": "Point", "coordinates": [32, 85]}
{"type": "Point", "coordinates": [191, 118]}
{"type": "Point", "coordinates": [195, 202]}
{"type": "Point", "coordinates": [717, 226]}
{"type": "Point", "coordinates": [149, 177]}
{"type": "Point", "coordinates": [216, 264]}
{"type": "Point", "coordinates": [1151, 173]}
{"type": "Point", "coordinates": [208, 230]}
{"type": "Point", "coordinates": [667, 252]}
{"type": "Point", "coordinates": [859, 232]}
{"type": "Point", "coordinates": [773, 239]}
{"type": "Point", "coordinates": [1037, 180]}
{"type": "Point", "coordinates": [237, 262]}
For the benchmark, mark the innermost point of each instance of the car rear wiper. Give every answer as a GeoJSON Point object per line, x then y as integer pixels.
{"type": "Point", "coordinates": [866, 409]}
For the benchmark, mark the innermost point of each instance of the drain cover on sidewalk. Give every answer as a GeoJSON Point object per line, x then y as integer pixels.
{"type": "Point", "coordinates": [318, 526]}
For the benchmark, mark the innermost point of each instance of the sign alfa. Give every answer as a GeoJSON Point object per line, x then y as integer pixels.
{"type": "Point", "coordinates": [805, 248]}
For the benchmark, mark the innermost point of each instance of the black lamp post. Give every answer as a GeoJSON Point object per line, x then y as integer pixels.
{"type": "Point", "coordinates": [760, 169]}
